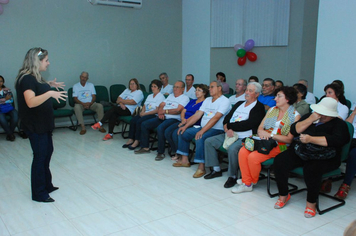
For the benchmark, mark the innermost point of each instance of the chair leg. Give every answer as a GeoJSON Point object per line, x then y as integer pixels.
{"type": "Point", "coordinates": [293, 188]}
{"type": "Point", "coordinates": [73, 127]}
{"type": "Point", "coordinates": [123, 131]}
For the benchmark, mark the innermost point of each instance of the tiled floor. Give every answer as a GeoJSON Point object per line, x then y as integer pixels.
{"type": "Point", "coordinates": [108, 190]}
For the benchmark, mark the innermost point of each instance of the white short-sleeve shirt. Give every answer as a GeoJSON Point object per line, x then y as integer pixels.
{"type": "Point", "coordinates": [233, 99]}
{"type": "Point", "coordinates": [84, 93]}
{"type": "Point", "coordinates": [240, 114]}
{"type": "Point", "coordinates": [152, 103]}
{"type": "Point", "coordinates": [190, 93]}
{"type": "Point", "coordinates": [167, 89]}
{"type": "Point", "coordinates": [310, 98]}
{"type": "Point", "coordinates": [173, 102]}
{"type": "Point", "coordinates": [210, 108]}
{"type": "Point", "coordinates": [136, 95]}
{"type": "Point", "coordinates": [342, 110]}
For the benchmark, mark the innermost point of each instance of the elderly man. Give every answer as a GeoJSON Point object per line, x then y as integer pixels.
{"type": "Point", "coordinates": [166, 89]}
{"type": "Point", "coordinates": [84, 96]}
{"type": "Point", "coordinates": [240, 87]}
{"type": "Point", "coordinates": [243, 120]}
{"type": "Point", "coordinates": [189, 89]}
{"type": "Point", "coordinates": [211, 113]}
{"type": "Point", "coordinates": [168, 113]}
{"type": "Point", "coordinates": [310, 98]}
{"type": "Point", "coordinates": [267, 96]}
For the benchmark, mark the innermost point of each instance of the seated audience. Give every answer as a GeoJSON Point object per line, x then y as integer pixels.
{"type": "Point", "coordinates": [211, 113]}
{"type": "Point", "coordinates": [149, 111]}
{"type": "Point", "coordinates": [253, 79]}
{"type": "Point", "coordinates": [84, 96]}
{"type": "Point", "coordinates": [301, 105]}
{"type": "Point", "coordinates": [267, 96]}
{"type": "Point", "coordinates": [279, 84]}
{"type": "Point", "coordinates": [243, 120]}
{"type": "Point", "coordinates": [310, 98]}
{"type": "Point", "coordinates": [240, 88]}
{"type": "Point", "coordinates": [222, 78]}
{"type": "Point", "coordinates": [170, 133]}
{"type": "Point", "coordinates": [166, 88]}
{"type": "Point", "coordinates": [168, 114]}
{"type": "Point", "coordinates": [323, 128]}
{"type": "Point", "coordinates": [351, 161]}
{"type": "Point", "coordinates": [189, 89]}
{"type": "Point", "coordinates": [275, 125]}
{"type": "Point", "coordinates": [334, 91]}
{"type": "Point", "coordinates": [126, 104]}
{"type": "Point", "coordinates": [6, 108]}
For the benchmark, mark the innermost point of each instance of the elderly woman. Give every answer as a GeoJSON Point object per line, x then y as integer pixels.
{"type": "Point", "coordinates": [275, 125]}
{"type": "Point", "coordinates": [149, 110]}
{"type": "Point", "coordinates": [6, 108]}
{"type": "Point", "coordinates": [335, 91]}
{"type": "Point", "coordinates": [201, 92]}
{"type": "Point", "coordinates": [323, 128]}
{"type": "Point", "coordinates": [301, 105]}
{"type": "Point", "coordinates": [126, 105]}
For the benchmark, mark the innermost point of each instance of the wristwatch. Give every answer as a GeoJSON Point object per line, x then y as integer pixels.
{"type": "Point", "coordinates": [272, 135]}
{"type": "Point", "coordinates": [166, 111]}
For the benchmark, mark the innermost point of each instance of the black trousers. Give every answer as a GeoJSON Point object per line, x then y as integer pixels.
{"type": "Point", "coordinates": [313, 171]}
{"type": "Point", "coordinates": [112, 114]}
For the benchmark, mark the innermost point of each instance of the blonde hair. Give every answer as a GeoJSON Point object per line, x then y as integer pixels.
{"type": "Point", "coordinates": [31, 64]}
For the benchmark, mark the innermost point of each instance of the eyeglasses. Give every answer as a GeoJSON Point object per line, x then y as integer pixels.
{"type": "Point", "coordinates": [177, 87]}
{"type": "Point", "coordinates": [266, 85]}
{"type": "Point", "coordinates": [199, 90]}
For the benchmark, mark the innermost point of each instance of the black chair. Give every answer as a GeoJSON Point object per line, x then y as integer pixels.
{"type": "Point", "coordinates": [115, 91]}
{"type": "Point", "coordinates": [59, 110]}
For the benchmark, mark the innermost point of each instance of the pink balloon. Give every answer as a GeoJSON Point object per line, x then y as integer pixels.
{"type": "Point", "coordinates": [4, 1]}
{"type": "Point", "coordinates": [1, 9]}
{"type": "Point", "coordinates": [237, 47]}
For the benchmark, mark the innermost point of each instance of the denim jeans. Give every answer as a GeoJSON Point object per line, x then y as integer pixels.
{"type": "Point", "coordinates": [41, 177]}
{"type": "Point", "coordinates": [135, 126]}
{"type": "Point", "coordinates": [9, 129]}
{"type": "Point", "coordinates": [188, 135]}
{"type": "Point", "coordinates": [151, 124]}
{"type": "Point", "coordinates": [172, 137]}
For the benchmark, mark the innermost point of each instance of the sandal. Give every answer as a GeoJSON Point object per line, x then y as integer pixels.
{"type": "Point", "coordinates": [343, 191]}
{"type": "Point", "coordinates": [280, 204]}
{"type": "Point", "coordinates": [177, 157]}
{"type": "Point", "coordinates": [309, 213]}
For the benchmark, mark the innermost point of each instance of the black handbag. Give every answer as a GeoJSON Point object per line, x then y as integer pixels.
{"type": "Point", "coordinates": [309, 151]}
{"type": "Point", "coordinates": [263, 146]}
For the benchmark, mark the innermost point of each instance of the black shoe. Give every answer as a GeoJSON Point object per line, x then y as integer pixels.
{"type": "Point", "coordinates": [53, 189]}
{"type": "Point", "coordinates": [10, 137]}
{"type": "Point", "coordinates": [230, 182]}
{"type": "Point", "coordinates": [126, 145]}
{"type": "Point", "coordinates": [23, 135]}
{"type": "Point", "coordinates": [213, 174]}
{"type": "Point", "coordinates": [49, 199]}
{"type": "Point", "coordinates": [132, 148]}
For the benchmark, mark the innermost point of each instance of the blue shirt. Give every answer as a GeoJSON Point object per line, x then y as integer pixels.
{"type": "Point", "coordinates": [267, 100]}
{"type": "Point", "coordinates": [191, 108]}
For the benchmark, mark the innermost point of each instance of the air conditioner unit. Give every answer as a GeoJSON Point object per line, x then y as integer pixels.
{"type": "Point", "coordinates": [118, 3]}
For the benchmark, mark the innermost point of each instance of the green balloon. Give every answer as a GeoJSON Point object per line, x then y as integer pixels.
{"type": "Point", "coordinates": [241, 52]}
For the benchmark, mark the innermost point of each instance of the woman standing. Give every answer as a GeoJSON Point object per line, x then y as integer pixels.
{"type": "Point", "coordinates": [36, 114]}
{"type": "Point", "coordinates": [6, 108]}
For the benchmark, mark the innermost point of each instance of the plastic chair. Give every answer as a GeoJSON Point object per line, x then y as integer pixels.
{"type": "Point", "coordinates": [60, 111]}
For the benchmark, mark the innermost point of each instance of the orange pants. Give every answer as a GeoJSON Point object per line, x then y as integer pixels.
{"type": "Point", "coordinates": [250, 163]}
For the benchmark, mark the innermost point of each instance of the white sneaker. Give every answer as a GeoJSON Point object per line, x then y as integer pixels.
{"type": "Point", "coordinates": [239, 182]}
{"type": "Point", "coordinates": [241, 188]}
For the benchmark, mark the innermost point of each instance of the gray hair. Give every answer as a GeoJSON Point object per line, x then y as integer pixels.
{"type": "Point", "coordinates": [218, 83]}
{"type": "Point", "coordinates": [258, 87]}
{"type": "Point", "coordinates": [305, 81]}
{"type": "Point", "coordinates": [164, 74]}
{"type": "Point", "coordinates": [84, 72]}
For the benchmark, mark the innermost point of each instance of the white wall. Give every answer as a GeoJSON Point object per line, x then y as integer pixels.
{"type": "Point", "coordinates": [335, 51]}
{"type": "Point", "coordinates": [113, 44]}
{"type": "Point", "coordinates": [196, 40]}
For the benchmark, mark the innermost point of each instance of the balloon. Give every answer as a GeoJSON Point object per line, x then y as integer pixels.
{"type": "Point", "coordinates": [241, 52]}
{"type": "Point", "coordinates": [4, 1]}
{"type": "Point", "coordinates": [1, 9]}
{"type": "Point", "coordinates": [236, 47]}
{"type": "Point", "coordinates": [251, 56]}
{"type": "Point", "coordinates": [241, 61]}
{"type": "Point", "coordinates": [249, 44]}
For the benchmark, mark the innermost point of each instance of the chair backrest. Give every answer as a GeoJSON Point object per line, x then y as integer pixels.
{"type": "Point", "coordinates": [70, 97]}
{"type": "Point", "coordinates": [61, 103]}
{"type": "Point", "coordinates": [231, 91]}
{"type": "Point", "coordinates": [346, 148]}
{"type": "Point", "coordinates": [143, 88]}
{"type": "Point", "coordinates": [115, 91]}
{"type": "Point", "coordinates": [316, 99]}
{"type": "Point", "coordinates": [145, 95]}
{"type": "Point", "coordinates": [102, 93]}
